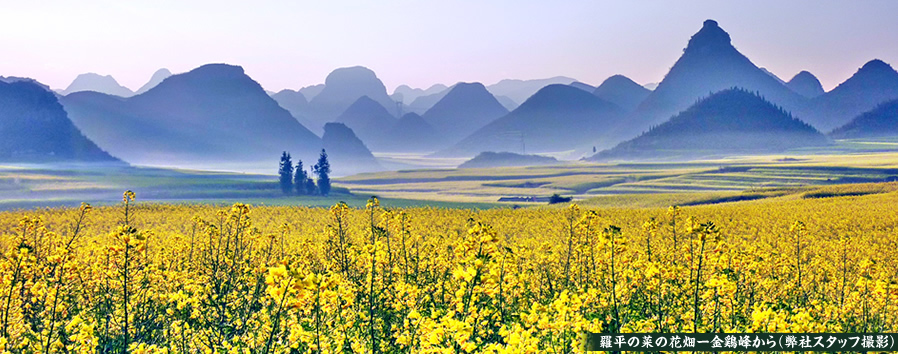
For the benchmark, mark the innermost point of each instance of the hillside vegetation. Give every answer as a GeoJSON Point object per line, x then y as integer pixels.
{"type": "Point", "coordinates": [729, 121]}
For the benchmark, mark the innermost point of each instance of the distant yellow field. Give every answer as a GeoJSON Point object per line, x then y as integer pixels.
{"type": "Point", "coordinates": [586, 180]}
{"type": "Point", "coordinates": [190, 278]}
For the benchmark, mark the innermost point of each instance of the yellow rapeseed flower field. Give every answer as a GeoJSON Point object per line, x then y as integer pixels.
{"type": "Point", "coordinates": [156, 278]}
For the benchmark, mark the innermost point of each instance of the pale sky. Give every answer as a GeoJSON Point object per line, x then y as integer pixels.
{"type": "Point", "coordinates": [291, 44]}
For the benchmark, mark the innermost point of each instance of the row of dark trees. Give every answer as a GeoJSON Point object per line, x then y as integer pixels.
{"type": "Point", "coordinates": [296, 180]}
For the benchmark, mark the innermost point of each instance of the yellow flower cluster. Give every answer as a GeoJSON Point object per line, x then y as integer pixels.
{"type": "Point", "coordinates": [193, 278]}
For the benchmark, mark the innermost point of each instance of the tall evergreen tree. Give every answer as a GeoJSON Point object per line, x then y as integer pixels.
{"type": "Point", "coordinates": [322, 170]}
{"type": "Point", "coordinates": [299, 178]}
{"type": "Point", "coordinates": [311, 189]}
{"type": "Point", "coordinates": [285, 173]}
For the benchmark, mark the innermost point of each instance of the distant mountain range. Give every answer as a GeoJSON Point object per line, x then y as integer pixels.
{"type": "Point", "coordinates": [97, 83]}
{"type": "Point", "coordinates": [108, 85]}
{"type": "Point", "coordinates": [872, 84]}
{"type": "Point", "coordinates": [732, 121]}
{"type": "Point", "coordinates": [411, 134]}
{"type": "Point", "coordinates": [13, 79]}
{"type": "Point", "coordinates": [509, 93]}
{"type": "Point", "coordinates": [349, 153]}
{"type": "Point", "coordinates": [35, 128]}
{"type": "Point", "coordinates": [369, 120]}
{"type": "Point", "coordinates": [465, 108]}
{"type": "Point", "coordinates": [407, 95]}
{"type": "Point", "coordinates": [709, 64]}
{"type": "Point", "coordinates": [156, 79]}
{"type": "Point", "coordinates": [508, 103]}
{"type": "Point", "coordinates": [217, 112]}
{"type": "Point", "coordinates": [342, 88]}
{"type": "Point", "coordinates": [557, 118]}
{"type": "Point", "coordinates": [309, 92]}
{"type": "Point", "coordinates": [521, 90]}
{"type": "Point", "coordinates": [622, 91]}
{"type": "Point", "coordinates": [585, 87]}
{"type": "Point", "coordinates": [777, 78]}
{"type": "Point", "coordinates": [882, 121]}
{"type": "Point", "coordinates": [422, 103]}
{"type": "Point", "coordinates": [805, 84]}
{"type": "Point", "coordinates": [212, 113]}
{"type": "Point", "coordinates": [295, 103]}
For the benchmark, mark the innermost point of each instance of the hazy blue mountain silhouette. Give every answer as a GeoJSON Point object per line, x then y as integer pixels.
{"type": "Point", "coordinates": [156, 79]}
{"type": "Point", "coordinates": [508, 103]}
{"type": "Point", "coordinates": [35, 128]}
{"type": "Point", "coordinates": [97, 83]}
{"type": "Point", "coordinates": [369, 120]}
{"type": "Point", "coordinates": [557, 118]}
{"type": "Point", "coordinates": [805, 84]}
{"type": "Point", "coordinates": [622, 91]}
{"type": "Point", "coordinates": [292, 101]}
{"type": "Point", "coordinates": [213, 113]}
{"type": "Point", "coordinates": [309, 92]}
{"type": "Point", "coordinates": [874, 83]}
{"type": "Point", "coordinates": [347, 153]}
{"type": "Point", "coordinates": [521, 90]}
{"type": "Point", "coordinates": [14, 79]}
{"type": "Point", "coordinates": [465, 108]}
{"type": "Point", "coordinates": [344, 86]}
{"type": "Point", "coordinates": [777, 78]}
{"type": "Point", "coordinates": [295, 103]}
{"type": "Point", "coordinates": [585, 87]}
{"type": "Point", "coordinates": [422, 103]}
{"type": "Point", "coordinates": [727, 122]}
{"type": "Point", "coordinates": [882, 121]}
{"type": "Point", "coordinates": [411, 134]}
{"type": "Point", "coordinates": [407, 95]}
{"type": "Point", "coordinates": [709, 64]}
{"type": "Point", "coordinates": [488, 159]}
